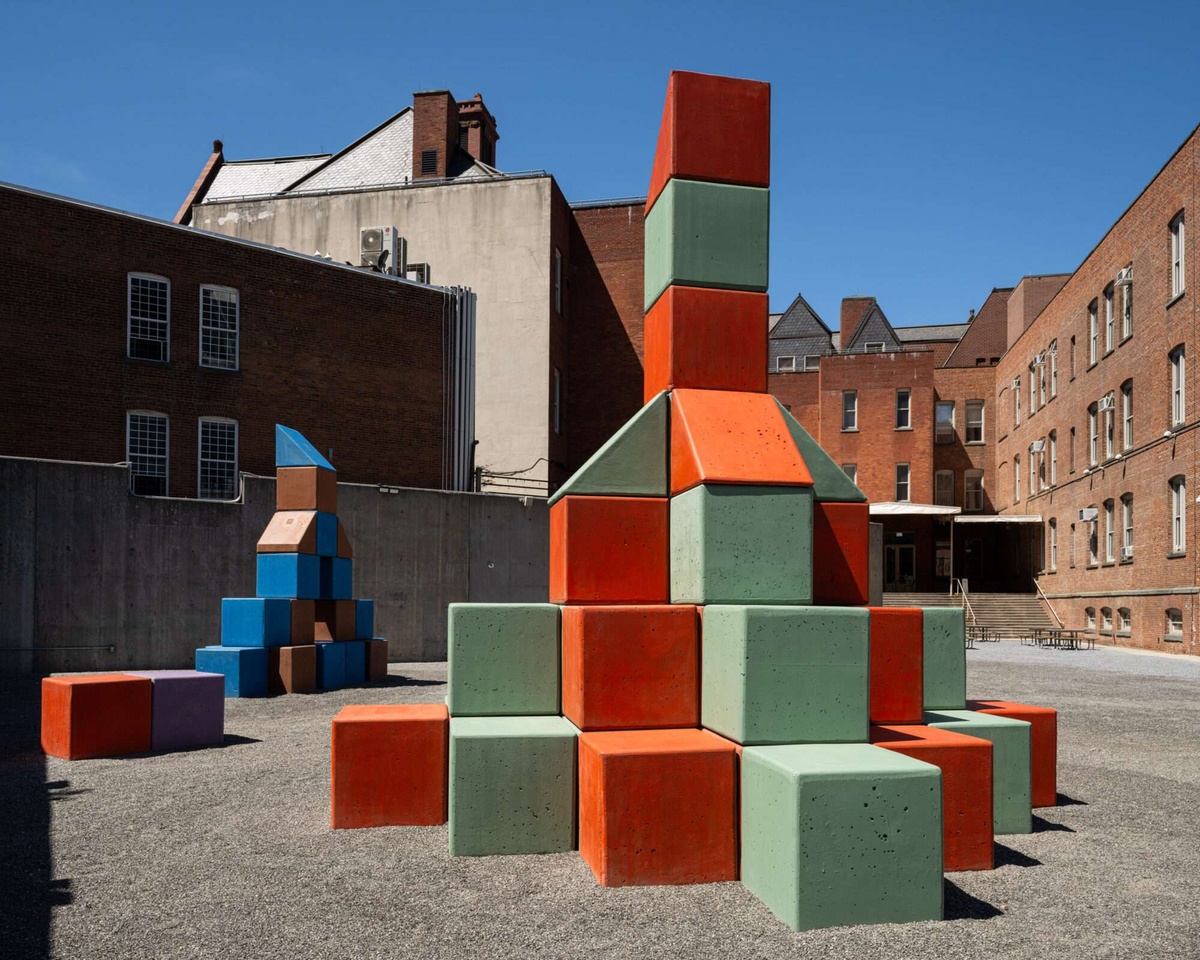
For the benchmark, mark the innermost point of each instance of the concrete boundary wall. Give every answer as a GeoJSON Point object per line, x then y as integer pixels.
{"type": "Point", "coordinates": [92, 578]}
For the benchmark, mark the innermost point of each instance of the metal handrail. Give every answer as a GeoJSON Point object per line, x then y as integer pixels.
{"type": "Point", "coordinates": [1049, 605]}
{"type": "Point", "coordinates": [966, 604]}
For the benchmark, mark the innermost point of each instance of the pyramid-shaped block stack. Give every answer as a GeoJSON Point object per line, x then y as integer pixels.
{"type": "Point", "coordinates": [708, 696]}
{"type": "Point", "coordinates": [303, 632]}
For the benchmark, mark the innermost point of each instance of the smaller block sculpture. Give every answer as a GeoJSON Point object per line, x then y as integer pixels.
{"type": "Point", "coordinates": [303, 632]}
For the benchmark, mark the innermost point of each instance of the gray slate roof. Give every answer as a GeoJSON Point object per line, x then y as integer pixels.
{"type": "Point", "coordinates": [256, 178]}
{"type": "Point", "coordinates": [938, 331]}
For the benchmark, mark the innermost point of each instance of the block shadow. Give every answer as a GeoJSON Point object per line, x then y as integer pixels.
{"type": "Point", "coordinates": [1062, 800]}
{"type": "Point", "coordinates": [397, 681]}
{"type": "Point", "coordinates": [1041, 825]}
{"type": "Point", "coordinates": [957, 904]}
{"type": "Point", "coordinates": [1005, 856]}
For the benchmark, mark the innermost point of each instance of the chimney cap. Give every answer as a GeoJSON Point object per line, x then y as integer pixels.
{"type": "Point", "coordinates": [218, 146]}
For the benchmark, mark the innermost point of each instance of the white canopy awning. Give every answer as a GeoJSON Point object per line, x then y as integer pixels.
{"type": "Point", "coordinates": [889, 509]}
{"type": "Point", "coordinates": [1005, 518]}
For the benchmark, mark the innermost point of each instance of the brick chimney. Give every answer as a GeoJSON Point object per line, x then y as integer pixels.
{"type": "Point", "coordinates": [853, 311]}
{"type": "Point", "coordinates": [435, 133]}
{"type": "Point", "coordinates": [477, 130]}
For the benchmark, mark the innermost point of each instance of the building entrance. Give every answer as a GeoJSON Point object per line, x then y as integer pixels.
{"type": "Point", "coordinates": [899, 568]}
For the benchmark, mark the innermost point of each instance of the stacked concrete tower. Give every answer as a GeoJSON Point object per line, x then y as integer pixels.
{"type": "Point", "coordinates": [303, 631]}
{"type": "Point", "coordinates": [708, 696]}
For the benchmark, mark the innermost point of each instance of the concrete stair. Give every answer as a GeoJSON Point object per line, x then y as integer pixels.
{"type": "Point", "coordinates": [1010, 614]}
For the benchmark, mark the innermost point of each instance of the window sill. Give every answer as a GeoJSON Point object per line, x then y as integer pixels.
{"type": "Point", "coordinates": [157, 363]}
{"type": "Point", "coordinates": [1171, 638]}
{"type": "Point", "coordinates": [1127, 563]}
{"type": "Point", "coordinates": [1090, 366]}
{"type": "Point", "coordinates": [976, 443]}
{"type": "Point", "coordinates": [849, 429]}
{"type": "Point", "coordinates": [1125, 339]}
{"type": "Point", "coordinates": [1176, 555]}
{"type": "Point", "coordinates": [1092, 566]}
{"type": "Point", "coordinates": [1107, 353]}
{"type": "Point", "coordinates": [1175, 299]}
{"type": "Point", "coordinates": [1123, 633]}
{"type": "Point", "coordinates": [903, 429]}
{"type": "Point", "coordinates": [1109, 563]}
{"type": "Point", "coordinates": [206, 366]}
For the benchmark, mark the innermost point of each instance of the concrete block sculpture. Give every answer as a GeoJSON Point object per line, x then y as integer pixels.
{"type": "Point", "coordinates": [304, 632]}
{"type": "Point", "coordinates": [709, 640]}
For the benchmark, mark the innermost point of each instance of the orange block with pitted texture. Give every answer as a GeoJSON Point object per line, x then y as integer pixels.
{"type": "Point", "coordinates": [303, 620]}
{"type": "Point", "coordinates": [966, 765]}
{"type": "Point", "coordinates": [292, 669]}
{"type": "Point", "coordinates": [658, 807]}
{"type": "Point", "coordinates": [841, 554]}
{"type": "Point", "coordinates": [306, 488]}
{"type": "Point", "coordinates": [100, 715]}
{"type": "Point", "coordinates": [609, 550]}
{"type": "Point", "coordinates": [390, 765]}
{"type": "Point", "coordinates": [290, 531]}
{"type": "Point", "coordinates": [1043, 742]}
{"type": "Point", "coordinates": [897, 671]}
{"type": "Point", "coordinates": [334, 620]}
{"type": "Point", "coordinates": [713, 128]}
{"type": "Point", "coordinates": [627, 667]}
{"type": "Point", "coordinates": [721, 436]}
{"type": "Point", "coordinates": [706, 338]}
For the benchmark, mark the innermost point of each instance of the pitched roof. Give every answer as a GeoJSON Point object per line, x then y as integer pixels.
{"type": "Point", "coordinates": [872, 321]}
{"type": "Point", "coordinates": [934, 331]}
{"type": "Point", "coordinates": [256, 178]}
{"type": "Point", "coordinates": [799, 320]}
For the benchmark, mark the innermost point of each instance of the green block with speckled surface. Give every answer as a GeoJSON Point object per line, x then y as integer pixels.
{"type": "Point", "coordinates": [1012, 788]}
{"type": "Point", "coordinates": [503, 659]}
{"type": "Point", "coordinates": [732, 543]}
{"type": "Point", "coordinates": [707, 235]}
{"type": "Point", "coordinates": [837, 834]}
{"type": "Point", "coordinates": [512, 785]}
{"type": "Point", "coordinates": [945, 657]}
{"type": "Point", "coordinates": [786, 674]}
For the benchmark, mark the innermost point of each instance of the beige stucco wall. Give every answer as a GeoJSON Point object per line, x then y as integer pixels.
{"type": "Point", "coordinates": [493, 237]}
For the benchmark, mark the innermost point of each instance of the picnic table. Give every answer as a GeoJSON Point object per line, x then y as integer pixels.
{"type": "Point", "coordinates": [1063, 638]}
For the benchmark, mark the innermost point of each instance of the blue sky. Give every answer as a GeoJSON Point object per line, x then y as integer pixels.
{"type": "Point", "coordinates": [922, 153]}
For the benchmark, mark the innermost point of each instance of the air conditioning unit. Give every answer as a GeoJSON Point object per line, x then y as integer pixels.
{"type": "Point", "coordinates": [1105, 403]}
{"type": "Point", "coordinates": [419, 271]}
{"type": "Point", "coordinates": [1016, 384]}
{"type": "Point", "coordinates": [1088, 515]}
{"type": "Point", "coordinates": [1037, 446]}
{"type": "Point", "coordinates": [382, 248]}
{"type": "Point", "coordinates": [1039, 360]}
{"type": "Point", "coordinates": [1127, 553]}
{"type": "Point", "coordinates": [1125, 277]}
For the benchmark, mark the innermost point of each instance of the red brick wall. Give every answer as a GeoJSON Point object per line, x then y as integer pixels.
{"type": "Point", "coordinates": [351, 360]}
{"type": "Point", "coordinates": [605, 325]}
{"type": "Point", "coordinates": [801, 394]}
{"type": "Point", "coordinates": [435, 127]}
{"type": "Point", "coordinates": [960, 385]}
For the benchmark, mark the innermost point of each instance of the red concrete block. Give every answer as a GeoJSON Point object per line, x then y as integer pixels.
{"type": "Point", "coordinates": [390, 765]}
{"type": "Point", "coordinates": [102, 715]}
{"type": "Point", "coordinates": [377, 661]}
{"type": "Point", "coordinates": [966, 765]}
{"type": "Point", "coordinates": [306, 488]}
{"type": "Point", "coordinates": [657, 807]}
{"type": "Point", "coordinates": [291, 669]}
{"type": "Point", "coordinates": [334, 620]}
{"type": "Point", "coordinates": [897, 665]}
{"type": "Point", "coordinates": [609, 550]}
{"type": "Point", "coordinates": [303, 621]}
{"type": "Point", "coordinates": [720, 436]}
{"type": "Point", "coordinates": [841, 550]}
{"type": "Point", "coordinates": [713, 128]}
{"type": "Point", "coordinates": [630, 667]}
{"type": "Point", "coordinates": [707, 339]}
{"type": "Point", "coordinates": [1043, 754]}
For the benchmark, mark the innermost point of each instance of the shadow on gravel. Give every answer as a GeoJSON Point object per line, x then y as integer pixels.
{"type": "Point", "coordinates": [1008, 857]}
{"type": "Point", "coordinates": [1045, 826]}
{"type": "Point", "coordinates": [235, 740]}
{"type": "Point", "coordinates": [960, 905]}
{"type": "Point", "coordinates": [1062, 800]}
{"type": "Point", "coordinates": [394, 681]}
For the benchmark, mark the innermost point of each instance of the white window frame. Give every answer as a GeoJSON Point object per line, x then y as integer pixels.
{"type": "Point", "coordinates": [1093, 538]}
{"type": "Point", "coordinates": [903, 479]}
{"type": "Point", "coordinates": [557, 402]}
{"type": "Point", "coordinates": [1090, 615]}
{"type": "Point", "coordinates": [973, 491]}
{"type": "Point", "coordinates": [1178, 253]}
{"type": "Point", "coordinates": [1093, 335]}
{"type": "Point", "coordinates": [201, 460]}
{"type": "Point", "coordinates": [1033, 406]}
{"type": "Point", "coordinates": [812, 361]}
{"type": "Point", "coordinates": [1174, 622]}
{"type": "Point", "coordinates": [1178, 358]}
{"type": "Point", "coordinates": [1110, 321]}
{"type": "Point", "coordinates": [210, 288]}
{"type": "Point", "coordinates": [1178, 488]}
{"type": "Point", "coordinates": [1093, 435]}
{"type": "Point", "coordinates": [950, 432]}
{"type": "Point", "coordinates": [873, 347]}
{"type": "Point", "coordinates": [1127, 308]}
{"type": "Point", "coordinates": [1033, 472]}
{"type": "Point", "coordinates": [979, 407]}
{"type": "Point", "coordinates": [1127, 521]}
{"type": "Point", "coordinates": [1017, 479]}
{"type": "Point", "coordinates": [1071, 548]}
{"type": "Point", "coordinates": [851, 470]}
{"type": "Point", "coordinates": [165, 457]}
{"type": "Point", "coordinates": [1042, 384]}
{"type": "Point", "coordinates": [943, 494]}
{"type": "Point", "coordinates": [1110, 429]}
{"type": "Point", "coordinates": [1110, 532]}
{"type": "Point", "coordinates": [1124, 622]}
{"type": "Point", "coordinates": [1017, 402]}
{"type": "Point", "coordinates": [1127, 415]}
{"type": "Point", "coordinates": [904, 394]}
{"type": "Point", "coordinates": [130, 319]}
{"type": "Point", "coordinates": [851, 410]}
{"type": "Point", "coordinates": [788, 367]}
{"type": "Point", "coordinates": [1106, 618]}
{"type": "Point", "coordinates": [1053, 360]}
{"type": "Point", "coordinates": [1053, 538]}
{"type": "Point", "coordinates": [1053, 441]}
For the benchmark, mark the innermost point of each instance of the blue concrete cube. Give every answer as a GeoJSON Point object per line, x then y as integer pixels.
{"type": "Point", "coordinates": [256, 622]}
{"type": "Point", "coordinates": [244, 668]}
{"type": "Point", "coordinates": [364, 619]}
{"type": "Point", "coordinates": [326, 534]}
{"type": "Point", "coordinates": [331, 666]}
{"type": "Point", "coordinates": [293, 575]}
{"type": "Point", "coordinates": [356, 662]}
{"type": "Point", "coordinates": [336, 580]}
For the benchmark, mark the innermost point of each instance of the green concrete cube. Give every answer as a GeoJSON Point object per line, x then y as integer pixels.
{"type": "Point", "coordinates": [503, 659]}
{"type": "Point", "coordinates": [512, 785]}
{"type": "Point", "coordinates": [707, 235]}
{"type": "Point", "coordinates": [838, 834]}
{"type": "Point", "coordinates": [786, 674]}
{"type": "Point", "coordinates": [742, 544]}
{"type": "Point", "coordinates": [945, 657]}
{"type": "Point", "coordinates": [1012, 787]}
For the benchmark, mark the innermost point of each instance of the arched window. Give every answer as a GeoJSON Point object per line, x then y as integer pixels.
{"type": "Point", "coordinates": [1090, 615]}
{"type": "Point", "coordinates": [1106, 618]}
{"type": "Point", "coordinates": [1123, 620]}
{"type": "Point", "coordinates": [1174, 622]}
{"type": "Point", "coordinates": [1177, 486]}
{"type": "Point", "coordinates": [1053, 544]}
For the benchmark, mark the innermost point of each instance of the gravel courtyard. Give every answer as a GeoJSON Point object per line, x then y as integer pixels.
{"type": "Point", "coordinates": [227, 853]}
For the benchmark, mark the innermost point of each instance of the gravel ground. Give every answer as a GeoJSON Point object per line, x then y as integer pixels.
{"type": "Point", "coordinates": [227, 853]}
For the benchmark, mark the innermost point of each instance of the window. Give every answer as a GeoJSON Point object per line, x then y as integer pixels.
{"type": "Point", "coordinates": [146, 451]}
{"type": "Point", "coordinates": [849, 409]}
{"type": "Point", "coordinates": [872, 348]}
{"type": "Point", "coordinates": [943, 422]}
{"type": "Point", "coordinates": [1090, 613]}
{"type": "Point", "coordinates": [1071, 451]}
{"type": "Point", "coordinates": [785, 364]}
{"type": "Point", "coordinates": [1093, 538]}
{"type": "Point", "coordinates": [1106, 618]}
{"type": "Point", "coordinates": [1178, 372]}
{"type": "Point", "coordinates": [1042, 485]}
{"type": "Point", "coordinates": [1042, 383]}
{"type": "Point", "coordinates": [1093, 436]}
{"type": "Point", "coordinates": [1177, 254]}
{"type": "Point", "coordinates": [1110, 320]}
{"type": "Point", "coordinates": [903, 409]}
{"type": "Point", "coordinates": [557, 281]}
{"type": "Point", "coordinates": [974, 421]}
{"type": "Point", "coordinates": [1123, 620]}
{"type": "Point", "coordinates": [812, 362]}
{"type": "Point", "coordinates": [943, 488]}
{"type": "Point", "coordinates": [1053, 457]}
{"type": "Point", "coordinates": [557, 412]}
{"type": "Point", "coordinates": [1016, 478]}
{"type": "Point", "coordinates": [218, 459]}
{"type": "Point", "coordinates": [1178, 487]}
{"type": "Point", "coordinates": [1174, 622]}
{"type": "Point", "coordinates": [1110, 416]}
{"type": "Point", "coordinates": [1053, 536]}
{"type": "Point", "coordinates": [149, 331]}
{"type": "Point", "coordinates": [1127, 304]}
{"type": "Point", "coordinates": [1017, 402]}
{"type": "Point", "coordinates": [1072, 358]}
{"type": "Point", "coordinates": [1127, 527]}
{"type": "Point", "coordinates": [902, 475]}
{"type": "Point", "coordinates": [1093, 334]}
{"type": "Point", "coordinates": [1053, 351]}
{"type": "Point", "coordinates": [973, 491]}
{"type": "Point", "coordinates": [219, 328]}
{"type": "Point", "coordinates": [1033, 404]}
{"type": "Point", "coordinates": [1127, 415]}
{"type": "Point", "coordinates": [1110, 533]}
{"type": "Point", "coordinates": [1033, 471]}
{"type": "Point", "coordinates": [851, 470]}
{"type": "Point", "coordinates": [1071, 546]}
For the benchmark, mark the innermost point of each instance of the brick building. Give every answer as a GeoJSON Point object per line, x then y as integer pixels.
{"type": "Point", "coordinates": [133, 339]}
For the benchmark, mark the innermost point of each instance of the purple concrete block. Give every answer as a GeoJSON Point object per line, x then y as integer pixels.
{"type": "Point", "coordinates": [188, 709]}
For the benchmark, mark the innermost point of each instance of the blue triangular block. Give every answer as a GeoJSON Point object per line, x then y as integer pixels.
{"type": "Point", "coordinates": [292, 450]}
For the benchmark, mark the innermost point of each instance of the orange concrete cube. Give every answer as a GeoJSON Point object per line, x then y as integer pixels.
{"type": "Point", "coordinates": [303, 621]}
{"type": "Point", "coordinates": [334, 620]}
{"type": "Point", "coordinates": [658, 807]}
{"type": "Point", "coordinates": [841, 550]}
{"type": "Point", "coordinates": [966, 765]}
{"type": "Point", "coordinates": [306, 488]}
{"type": "Point", "coordinates": [1043, 743]}
{"type": "Point", "coordinates": [292, 669]}
{"type": "Point", "coordinates": [628, 667]}
{"type": "Point", "coordinates": [390, 765]}
{"type": "Point", "coordinates": [706, 338]}
{"type": "Point", "coordinates": [101, 715]}
{"type": "Point", "coordinates": [897, 671]}
{"type": "Point", "coordinates": [609, 550]}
